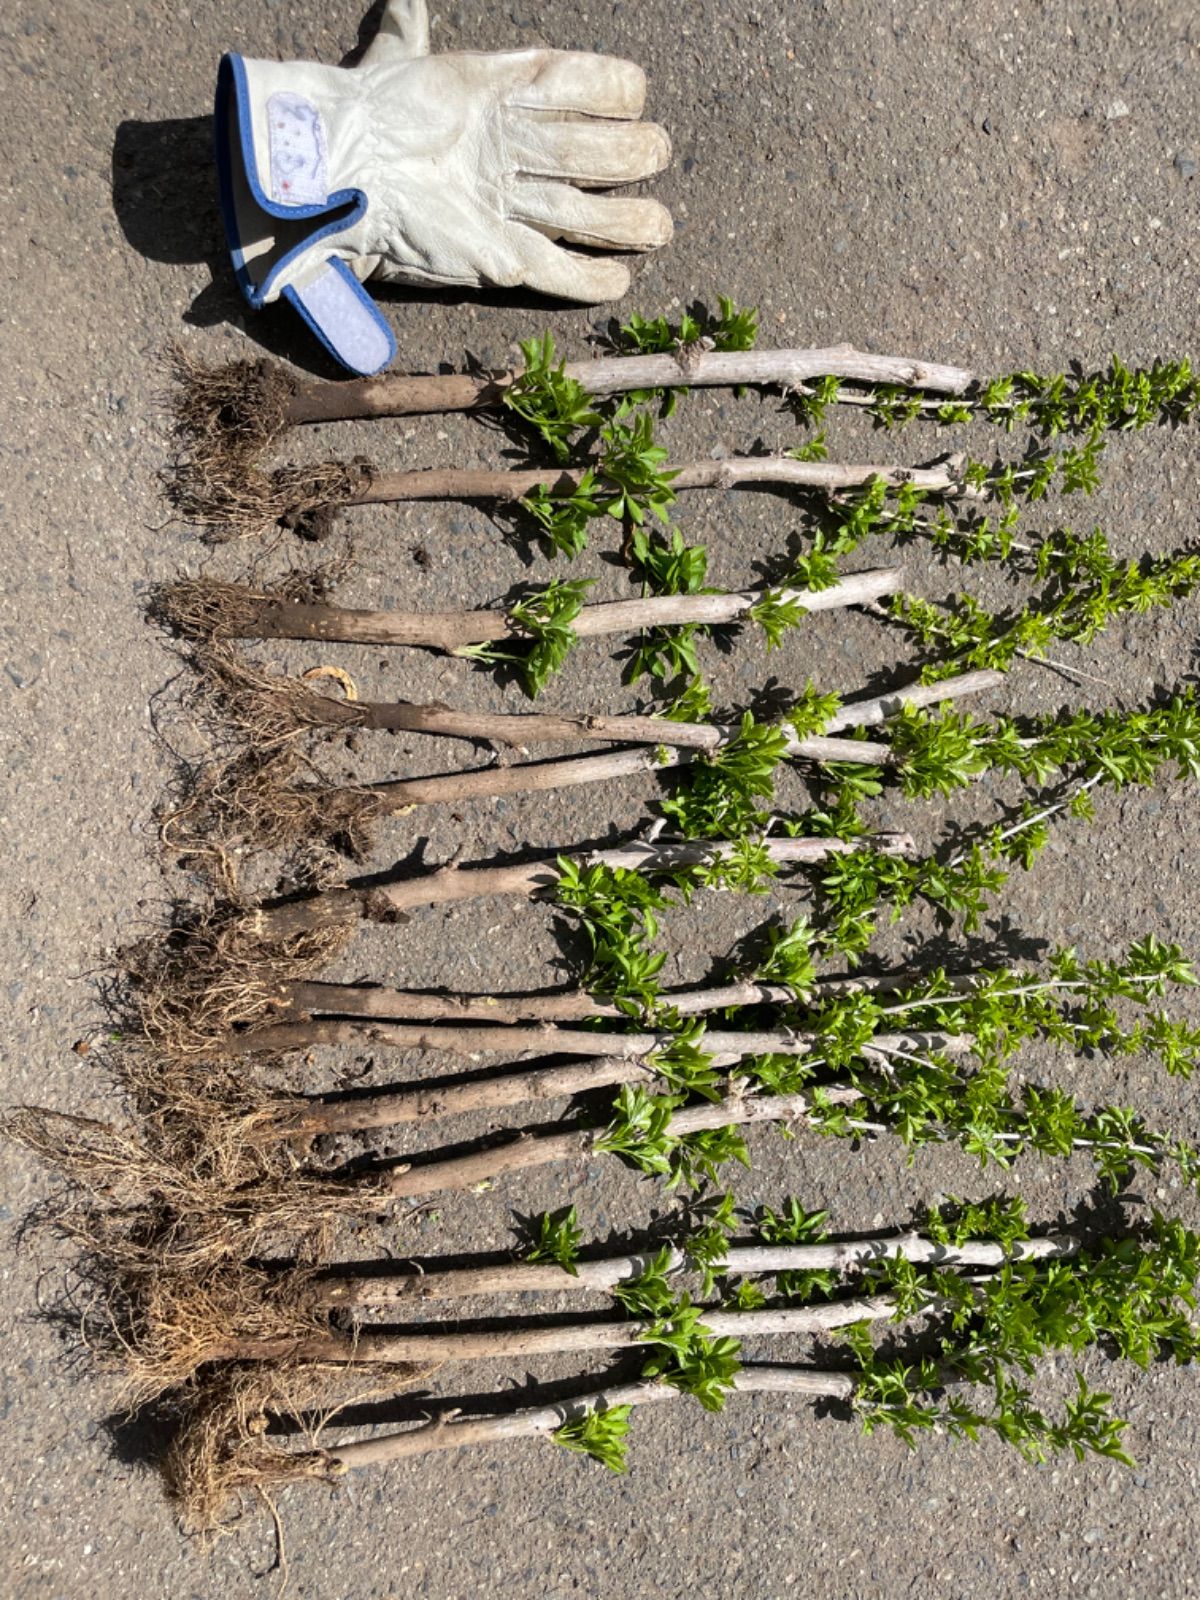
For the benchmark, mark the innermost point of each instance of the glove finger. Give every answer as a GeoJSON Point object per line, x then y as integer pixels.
{"type": "Point", "coordinates": [561, 211]}
{"type": "Point", "coordinates": [549, 269]}
{"type": "Point", "coordinates": [557, 80]}
{"type": "Point", "coordinates": [403, 33]}
{"type": "Point", "coordinates": [589, 153]}
{"type": "Point", "coordinates": [598, 86]}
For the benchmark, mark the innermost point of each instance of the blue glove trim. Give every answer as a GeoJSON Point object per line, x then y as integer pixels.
{"type": "Point", "coordinates": [342, 209]}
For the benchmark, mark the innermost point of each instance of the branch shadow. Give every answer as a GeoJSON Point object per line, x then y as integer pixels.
{"type": "Point", "coordinates": [164, 197]}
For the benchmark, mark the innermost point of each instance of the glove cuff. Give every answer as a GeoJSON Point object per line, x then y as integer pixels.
{"type": "Point", "coordinates": [280, 219]}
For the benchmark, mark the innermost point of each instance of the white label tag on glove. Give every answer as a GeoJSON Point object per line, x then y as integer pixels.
{"type": "Point", "coordinates": [299, 164]}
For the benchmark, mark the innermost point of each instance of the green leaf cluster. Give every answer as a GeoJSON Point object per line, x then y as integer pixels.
{"type": "Point", "coordinates": [557, 1240]}
{"type": "Point", "coordinates": [932, 1095]}
{"type": "Point", "coordinates": [543, 621]}
{"type": "Point", "coordinates": [792, 1224]}
{"type": "Point", "coordinates": [1002, 1218]}
{"type": "Point", "coordinates": [1139, 1297]}
{"type": "Point", "coordinates": [686, 1355]}
{"type": "Point", "coordinates": [555, 407]}
{"type": "Point", "coordinates": [1090, 589]}
{"type": "Point", "coordinates": [776, 612]}
{"type": "Point", "coordinates": [789, 958]}
{"type": "Point", "coordinates": [640, 1132]}
{"type": "Point", "coordinates": [600, 1433]}
{"type": "Point", "coordinates": [720, 796]}
{"type": "Point", "coordinates": [618, 910]}
{"type": "Point", "coordinates": [939, 751]}
{"type": "Point", "coordinates": [732, 328]}
{"type": "Point", "coordinates": [669, 566]}
{"type": "Point", "coordinates": [1117, 399]}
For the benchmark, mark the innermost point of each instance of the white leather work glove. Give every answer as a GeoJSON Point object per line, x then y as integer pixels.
{"type": "Point", "coordinates": [453, 169]}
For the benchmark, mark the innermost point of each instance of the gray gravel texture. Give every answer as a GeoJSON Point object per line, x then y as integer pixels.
{"type": "Point", "coordinates": [989, 184]}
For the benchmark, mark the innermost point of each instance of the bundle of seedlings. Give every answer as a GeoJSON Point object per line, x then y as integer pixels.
{"type": "Point", "coordinates": [855, 1082]}
{"type": "Point", "coordinates": [226, 966]}
{"type": "Point", "coordinates": [255, 1313]}
{"type": "Point", "coordinates": [227, 418]}
{"type": "Point", "coordinates": [927, 1060]}
{"type": "Point", "coordinates": [249, 797]}
{"type": "Point", "coordinates": [931, 1062]}
{"type": "Point", "coordinates": [919, 1084]}
{"type": "Point", "coordinates": [972, 1308]}
{"type": "Point", "coordinates": [944, 1077]}
{"type": "Point", "coordinates": [1086, 586]}
{"type": "Point", "coordinates": [229, 966]}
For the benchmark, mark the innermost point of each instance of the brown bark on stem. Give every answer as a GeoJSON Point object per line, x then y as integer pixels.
{"type": "Point", "coordinates": [680, 748]}
{"type": "Point", "coordinates": [390, 901]}
{"type": "Point", "coordinates": [544, 1040]}
{"type": "Point", "coordinates": [447, 1432]}
{"type": "Point", "coordinates": [482, 1040]}
{"type": "Point", "coordinates": [397, 795]}
{"type": "Point", "coordinates": [389, 1110]}
{"type": "Point", "coordinates": [867, 713]}
{"type": "Point", "coordinates": [262, 617]}
{"type": "Point", "coordinates": [399, 394]}
{"type": "Point", "coordinates": [575, 1005]}
{"type": "Point", "coordinates": [348, 1288]}
{"type": "Point", "coordinates": [317, 998]}
{"type": "Point", "coordinates": [535, 1150]}
{"type": "Point", "coordinates": [519, 729]}
{"type": "Point", "coordinates": [827, 476]}
{"type": "Point", "coordinates": [502, 1343]}
{"type": "Point", "coordinates": [429, 1103]}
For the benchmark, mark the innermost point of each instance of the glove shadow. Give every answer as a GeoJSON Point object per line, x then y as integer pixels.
{"type": "Point", "coordinates": [164, 197]}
